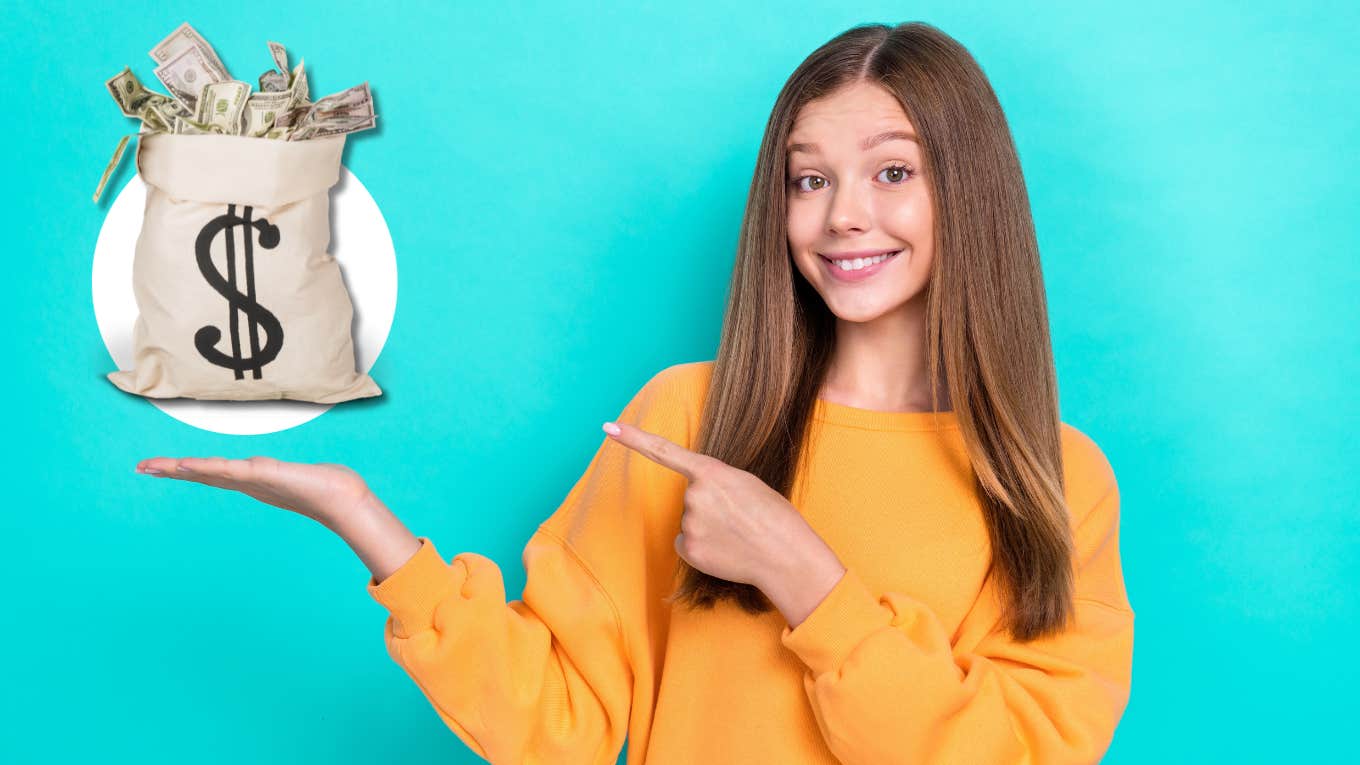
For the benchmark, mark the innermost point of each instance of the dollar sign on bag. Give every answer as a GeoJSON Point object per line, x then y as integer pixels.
{"type": "Point", "coordinates": [257, 316]}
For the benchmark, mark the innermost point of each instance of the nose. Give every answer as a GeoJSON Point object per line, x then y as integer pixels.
{"type": "Point", "coordinates": [848, 211]}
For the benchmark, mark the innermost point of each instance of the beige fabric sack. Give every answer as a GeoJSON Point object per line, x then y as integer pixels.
{"type": "Point", "coordinates": [238, 297]}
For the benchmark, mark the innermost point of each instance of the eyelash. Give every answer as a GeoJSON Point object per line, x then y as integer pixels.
{"type": "Point", "coordinates": [909, 174]}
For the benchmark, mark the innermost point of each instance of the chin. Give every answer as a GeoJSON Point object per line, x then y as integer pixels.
{"type": "Point", "coordinates": [864, 314]}
{"type": "Point", "coordinates": [858, 314]}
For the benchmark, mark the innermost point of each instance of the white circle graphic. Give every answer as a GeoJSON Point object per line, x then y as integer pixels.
{"type": "Point", "coordinates": [360, 242]}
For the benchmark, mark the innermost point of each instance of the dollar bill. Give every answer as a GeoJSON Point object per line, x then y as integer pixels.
{"type": "Point", "coordinates": [188, 71]}
{"type": "Point", "coordinates": [132, 97]}
{"type": "Point", "coordinates": [222, 104]}
{"type": "Point", "coordinates": [108, 169]}
{"type": "Point", "coordinates": [325, 130]}
{"type": "Point", "coordinates": [171, 109]}
{"type": "Point", "coordinates": [262, 109]}
{"type": "Point", "coordinates": [290, 117]}
{"type": "Point", "coordinates": [358, 97]}
{"type": "Point", "coordinates": [297, 85]}
{"type": "Point", "coordinates": [280, 55]}
{"type": "Point", "coordinates": [351, 104]}
{"type": "Point", "coordinates": [205, 99]}
{"type": "Point", "coordinates": [348, 111]}
{"type": "Point", "coordinates": [273, 81]}
{"type": "Point", "coordinates": [186, 126]}
{"type": "Point", "coordinates": [278, 78]}
{"type": "Point", "coordinates": [184, 36]}
{"type": "Point", "coordinates": [186, 62]}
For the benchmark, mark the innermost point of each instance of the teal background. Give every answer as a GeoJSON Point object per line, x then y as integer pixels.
{"type": "Point", "coordinates": [564, 186]}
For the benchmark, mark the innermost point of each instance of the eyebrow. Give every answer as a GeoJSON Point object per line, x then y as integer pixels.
{"type": "Point", "coordinates": [869, 143]}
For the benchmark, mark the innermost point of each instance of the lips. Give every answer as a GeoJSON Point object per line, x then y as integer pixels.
{"type": "Point", "coordinates": [855, 254]}
{"type": "Point", "coordinates": [841, 275]}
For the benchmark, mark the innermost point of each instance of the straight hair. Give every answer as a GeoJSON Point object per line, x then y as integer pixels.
{"type": "Point", "coordinates": [987, 314]}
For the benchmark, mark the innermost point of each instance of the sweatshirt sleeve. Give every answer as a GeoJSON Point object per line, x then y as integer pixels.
{"type": "Point", "coordinates": [550, 677]}
{"type": "Point", "coordinates": [887, 685]}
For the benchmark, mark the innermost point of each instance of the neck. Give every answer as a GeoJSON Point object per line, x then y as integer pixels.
{"type": "Point", "coordinates": [882, 364]}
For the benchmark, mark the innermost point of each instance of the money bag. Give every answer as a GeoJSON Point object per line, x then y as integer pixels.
{"type": "Point", "coordinates": [237, 295]}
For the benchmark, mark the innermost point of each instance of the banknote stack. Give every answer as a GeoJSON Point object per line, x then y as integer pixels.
{"type": "Point", "coordinates": [205, 99]}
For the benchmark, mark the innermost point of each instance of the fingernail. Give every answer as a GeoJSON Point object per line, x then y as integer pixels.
{"type": "Point", "coordinates": [611, 429]}
{"type": "Point", "coordinates": [152, 471]}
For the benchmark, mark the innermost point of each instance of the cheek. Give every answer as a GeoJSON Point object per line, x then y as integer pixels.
{"type": "Point", "coordinates": [803, 226]}
{"type": "Point", "coordinates": [908, 218]}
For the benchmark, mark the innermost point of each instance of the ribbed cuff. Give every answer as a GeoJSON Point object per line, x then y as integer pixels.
{"type": "Point", "coordinates": [412, 592]}
{"type": "Point", "coordinates": [848, 614]}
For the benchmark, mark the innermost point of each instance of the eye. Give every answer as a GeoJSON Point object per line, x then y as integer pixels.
{"type": "Point", "coordinates": [797, 183]}
{"type": "Point", "coordinates": [903, 171]}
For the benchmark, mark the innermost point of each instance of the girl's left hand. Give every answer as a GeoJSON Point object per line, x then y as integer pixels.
{"type": "Point", "coordinates": [734, 526]}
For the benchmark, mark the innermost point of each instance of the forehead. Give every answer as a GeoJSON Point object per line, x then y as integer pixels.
{"type": "Point", "coordinates": [848, 115]}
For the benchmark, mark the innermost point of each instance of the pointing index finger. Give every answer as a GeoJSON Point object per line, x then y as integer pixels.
{"type": "Point", "coordinates": [660, 450]}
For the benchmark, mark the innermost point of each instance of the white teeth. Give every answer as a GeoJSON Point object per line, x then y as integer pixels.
{"type": "Point", "coordinates": [856, 264]}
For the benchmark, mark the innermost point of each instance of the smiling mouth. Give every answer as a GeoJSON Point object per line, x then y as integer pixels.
{"type": "Point", "coordinates": [866, 264]}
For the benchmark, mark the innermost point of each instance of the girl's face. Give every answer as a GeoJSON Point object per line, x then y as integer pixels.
{"type": "Point", "coordinates": [846, 199]}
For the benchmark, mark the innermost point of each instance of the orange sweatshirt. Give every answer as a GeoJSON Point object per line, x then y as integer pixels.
{"type": "Point", "coordinates": [904, 661]}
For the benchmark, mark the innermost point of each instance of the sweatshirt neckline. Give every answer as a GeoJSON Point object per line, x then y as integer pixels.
{"type": "Point", "coordinates": [874, 419]}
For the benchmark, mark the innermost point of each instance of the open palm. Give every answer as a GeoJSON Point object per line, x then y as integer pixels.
{"type": "Point", "coordinates": [325, 492]}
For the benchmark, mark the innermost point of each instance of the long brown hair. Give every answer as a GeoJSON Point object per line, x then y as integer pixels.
{"type": "Point", "coordinates": [987, 313]}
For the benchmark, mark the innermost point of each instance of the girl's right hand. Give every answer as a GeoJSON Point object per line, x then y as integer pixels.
{"type": "Point", "coordinates": [325, 492]}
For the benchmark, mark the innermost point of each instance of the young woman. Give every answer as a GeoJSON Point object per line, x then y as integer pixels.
{"type": "Point", "coordinates": [861, 534]}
